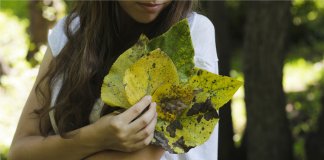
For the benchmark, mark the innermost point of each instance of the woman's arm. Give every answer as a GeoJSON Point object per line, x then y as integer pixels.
{"type": "Point", "coordinates": [111, 132]}
{"type": "Point", "coordinates": [27, 142]}
{"type": "Point", "coordinates": [148, 153]}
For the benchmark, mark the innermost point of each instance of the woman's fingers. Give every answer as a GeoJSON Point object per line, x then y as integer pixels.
{"type": "Point", "coordinates": [148, 130]}
{"type": "Point", "coordinates": [144, 120]}
{"type": "Point", "coordinates": [143, 143]}
{"type": "Point", "coordinates": [133, 112]}
{"type": "Point", "coordinates": [149, 139]}
{"type": "Point", "coordinates": [134, 128]}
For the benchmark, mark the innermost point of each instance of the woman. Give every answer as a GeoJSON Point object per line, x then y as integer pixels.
{"type": "Point", "coordinates": [82, 47]}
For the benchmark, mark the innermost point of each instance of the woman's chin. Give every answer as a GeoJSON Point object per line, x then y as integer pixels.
{"type": "Point", "coordinates": [145, 19]}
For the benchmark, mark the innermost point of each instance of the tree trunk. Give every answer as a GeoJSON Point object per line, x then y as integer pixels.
{"type": "Point", "coordinates": [216, 11]}
{"type": "Point", "coordinates": [265, 40]}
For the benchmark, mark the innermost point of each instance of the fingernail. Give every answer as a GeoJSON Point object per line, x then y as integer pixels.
{"type": "Point", "coordinates": [149, 98]}
{"type": "Point", "coordinates": [154, 104]}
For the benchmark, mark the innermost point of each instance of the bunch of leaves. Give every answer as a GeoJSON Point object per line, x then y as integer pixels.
{"type": "Point", "coordinates": [187, 97]}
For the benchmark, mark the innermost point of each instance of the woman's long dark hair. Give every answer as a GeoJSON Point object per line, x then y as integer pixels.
{"type": "Point", "coordinates": [89, 53]}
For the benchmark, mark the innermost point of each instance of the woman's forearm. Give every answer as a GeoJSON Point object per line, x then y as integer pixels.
{"type": "Point", "coordinates": [147, 153]}
{"type": "Point", "coordinates": [76, 147]}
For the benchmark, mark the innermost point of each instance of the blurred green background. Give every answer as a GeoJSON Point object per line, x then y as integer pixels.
{"type": "Point", "coordinates": [24, 27]}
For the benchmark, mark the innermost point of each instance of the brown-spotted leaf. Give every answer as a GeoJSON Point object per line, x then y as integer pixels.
{"type": "Point", "coordinates": [186, 126]}
{"type": "Point", "coordinates": [172, 100]}
{"type": "Point", "coordinates": [195, 124]}
{"type": "Point", "coordinates": [220, 89]}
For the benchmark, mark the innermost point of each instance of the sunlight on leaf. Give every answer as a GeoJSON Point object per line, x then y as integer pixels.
{"type": "Point", "coordinates": [147, 74]}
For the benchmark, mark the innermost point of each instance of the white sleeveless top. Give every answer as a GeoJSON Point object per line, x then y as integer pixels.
{"type": "Point", "coordinates": [203, 39]}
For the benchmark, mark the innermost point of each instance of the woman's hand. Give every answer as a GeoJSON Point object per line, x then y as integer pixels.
{"type": "Point", "coordinates": [128, 131]}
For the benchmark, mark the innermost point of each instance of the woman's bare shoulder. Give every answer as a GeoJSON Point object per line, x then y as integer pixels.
{"type": "Point", "coordinates": [29, 123]}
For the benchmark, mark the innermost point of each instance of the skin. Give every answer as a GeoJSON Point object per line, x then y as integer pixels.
{"type": "Point", "coordinates": [111, 137]}
{"type": "Point", "coordinates": [142, 14]}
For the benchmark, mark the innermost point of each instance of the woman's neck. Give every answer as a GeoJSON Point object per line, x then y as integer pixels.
{"type": "Point", "coordinates": [130, 29]}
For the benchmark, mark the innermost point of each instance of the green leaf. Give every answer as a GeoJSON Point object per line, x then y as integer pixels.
{"type": "Point", "coordinates": [177, 44]}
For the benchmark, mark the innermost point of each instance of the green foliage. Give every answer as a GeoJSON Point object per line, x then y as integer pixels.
{"type": "Point", "coordinates": [3, 152]}
{"type": "Point", "coordinates": [307, 32]}
{"type": "Point", "coordinates": [20, 9]}
{"type": "Point", "coordinates": [303, 65]}
{"type": "Point", "coordinates": [16, 84]}
{"type": "Point", "coordinates": [304, 86]}
{"type": "Point", "coordinates": [13, 40]}
{"type": "Point", "coordinates": [303, 111]}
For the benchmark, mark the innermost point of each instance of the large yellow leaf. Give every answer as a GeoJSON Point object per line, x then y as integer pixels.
{"type": "Point", "coordinates": [147, 74]}
{"type": "Point", "coordinates": [112, 90]}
